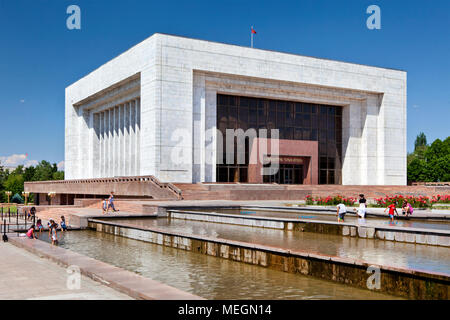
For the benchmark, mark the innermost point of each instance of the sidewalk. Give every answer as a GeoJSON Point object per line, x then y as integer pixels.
{"type": "Point", "coordinates": [24, 275]}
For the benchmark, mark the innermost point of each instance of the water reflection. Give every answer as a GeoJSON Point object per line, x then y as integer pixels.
{"type": "Point", "coordinates": [350, 217]}
{"type": "Point", "coordinates": [206, 276]}
{"type": "Point", "coordinates": [404, 255]}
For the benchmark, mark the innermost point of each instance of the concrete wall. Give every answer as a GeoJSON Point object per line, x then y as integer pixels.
{"type": "Point", "coordinates": [179, 82]}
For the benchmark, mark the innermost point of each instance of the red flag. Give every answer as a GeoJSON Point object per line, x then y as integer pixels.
{"type": "Point", "coordinates": [253, 31]}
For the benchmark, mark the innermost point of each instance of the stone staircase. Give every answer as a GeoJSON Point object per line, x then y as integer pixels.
{"type": "Point", "coordinates": [244, 191]}
{"type": "Point", "coordinates": [240, 192]}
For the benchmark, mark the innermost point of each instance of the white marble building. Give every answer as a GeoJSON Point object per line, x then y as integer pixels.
{"type": "Point", "coordinates": [147, 111]}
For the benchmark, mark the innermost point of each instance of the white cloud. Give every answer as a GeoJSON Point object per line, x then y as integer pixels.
{"type": "Point", "coordinates": [14, 160]}
{"type": "Point", "coordinates": [22, 100]}
{"type": "Point", "coordinates": [60, 165]}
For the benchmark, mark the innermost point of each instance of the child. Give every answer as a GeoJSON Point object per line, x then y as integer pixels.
{"type": "Point", "coordinates": [341, 211]}
{"type": "Point", "coordinates": [49, 225]}
{"type": "Point", "coordinates": [392, 210]}
{"type": "Point", "coordinates": [407, 208]}
{"type": "Point", "coordinates": [39, 225]}
{"type": "Point", "coordinates": [63, 224]}
{"type": "Point", "coordinates": [30, 232]}
{"type": "Point", "coordinates": [105, 206]}
{"type": "Point", "coordinates": [54, 234]}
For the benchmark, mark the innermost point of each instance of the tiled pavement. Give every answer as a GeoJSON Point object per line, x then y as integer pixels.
{"type": "Point", "coordinates": [24, 275]}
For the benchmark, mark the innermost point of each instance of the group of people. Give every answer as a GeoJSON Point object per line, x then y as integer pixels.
{"type": "Point", "coordinates": [109, 203]}
{"type": "Point", "coordinates": [52, 229]}
{"type": "Point", "coordinates": [407, 209]}
{"type": "Point", "coordinates": [361, 211]}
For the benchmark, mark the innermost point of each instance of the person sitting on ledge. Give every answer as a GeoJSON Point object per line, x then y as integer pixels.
{"type": "Point", "coordinates": [407, 209]}
{"type": "Point", "coordinates": [30, 232]}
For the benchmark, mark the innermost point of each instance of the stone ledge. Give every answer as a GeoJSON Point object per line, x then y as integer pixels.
{"type": "Point", "coordinates": [124, 281]}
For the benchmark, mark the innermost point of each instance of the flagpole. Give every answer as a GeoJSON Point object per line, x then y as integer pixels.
{"type": "Point", "coordinates": [251, 37]}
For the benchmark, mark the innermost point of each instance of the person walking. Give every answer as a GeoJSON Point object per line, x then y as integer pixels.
{"type": "Point", "coordinates": [341, 211]}
{"type": "Point", "coordinates": [392, 209]}
{"type": "Point", "coordinates": [361, 211]}
{"type": "Point", "coordinates": [111, 202]}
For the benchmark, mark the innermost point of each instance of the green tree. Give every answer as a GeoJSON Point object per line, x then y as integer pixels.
{"type": "Point", "coordinates": [58, 175]}
{"type": "Point", "coordinates": [44, 171]}
{"type": "Point", "coordinates": [29, 173]}
{"type": "Point", "coordinates": [429, 163]}
{"type": "Point", "coordinates": [14, 183]}
{"type": "Point", "coordinates": [3, 176]}
{"type": "Point", "coordinates": [421, 141]}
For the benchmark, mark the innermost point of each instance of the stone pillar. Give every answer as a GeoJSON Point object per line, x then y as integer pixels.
{"type": "Point", "coordinates": [95, 160]}
{"type": "Point", "coordinates": [211, 137]}
{"type": "Point", "coordinates": [369, 141]}
{"type": "Point", "coordinates": [126, 138]}
{"type": "Point", "coordinates": [117, 141]}
{"type": "Point", "coordinates": [138, 137]}
{"type": "Point", "coordinates": [199, 105]}
{"type": "Point", "coordinates": [107, 143]}
{"type": "Point", "coordinates": [351, 140]}
{"type": "Point", "coordinates": [133, 138]}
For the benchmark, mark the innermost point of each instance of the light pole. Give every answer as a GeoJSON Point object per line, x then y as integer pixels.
{"type": "Point", "coordinates": [26, 194]}
{"type": "Point", "coordinates": [8, 193]}
{"type": "Point", "coordinates": [50, 196]}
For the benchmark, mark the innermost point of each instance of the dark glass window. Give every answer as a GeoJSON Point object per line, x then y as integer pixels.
{"type": "Point", "coordinates": [295, 121]}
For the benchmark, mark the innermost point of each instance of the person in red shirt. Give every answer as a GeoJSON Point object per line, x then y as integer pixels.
{"type": "Point", "coordinates": [392, 210]}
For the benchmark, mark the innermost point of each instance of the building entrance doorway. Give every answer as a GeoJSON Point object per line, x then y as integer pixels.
{"type": "Point", "coordinates": [287, 174]}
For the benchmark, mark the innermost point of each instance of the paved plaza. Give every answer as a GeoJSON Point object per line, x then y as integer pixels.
{"type": "Point", "coordinates": [27, 276]}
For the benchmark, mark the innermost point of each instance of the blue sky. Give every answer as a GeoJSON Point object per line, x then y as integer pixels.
{"type": "Point", "coordinates": [39, 56]}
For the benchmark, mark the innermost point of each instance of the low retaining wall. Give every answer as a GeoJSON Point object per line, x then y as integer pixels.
{"type": "Point", "coordinates": [408, 283]}
{"type": "Point", "coordinates": [399, 234]}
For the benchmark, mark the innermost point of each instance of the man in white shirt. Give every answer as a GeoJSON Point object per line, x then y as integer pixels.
{"type": "Point", "coordinates": [341, 211]}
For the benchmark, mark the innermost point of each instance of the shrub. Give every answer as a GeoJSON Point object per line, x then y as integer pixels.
{"type": "Point", "coordinates": [16, 198]}
{"type": "Point", "coordinates": [416, 202]}
{"type": "Point", "coordinates": [441, 199]}
{"type": "Point", "coordinates": [330, 201]}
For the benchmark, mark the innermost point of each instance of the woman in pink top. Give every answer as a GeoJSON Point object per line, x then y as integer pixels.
{"type": "Point", "coordinates": [30, 233]}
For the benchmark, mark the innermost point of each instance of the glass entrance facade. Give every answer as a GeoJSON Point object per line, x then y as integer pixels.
{"type": "Point", "coordinates": [287, 174]}
{"type": "Point", "coordinates": [295, 121]}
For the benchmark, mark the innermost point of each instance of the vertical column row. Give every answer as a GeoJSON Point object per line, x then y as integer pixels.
{"type": "Point", "coordinates": [117, 140]}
